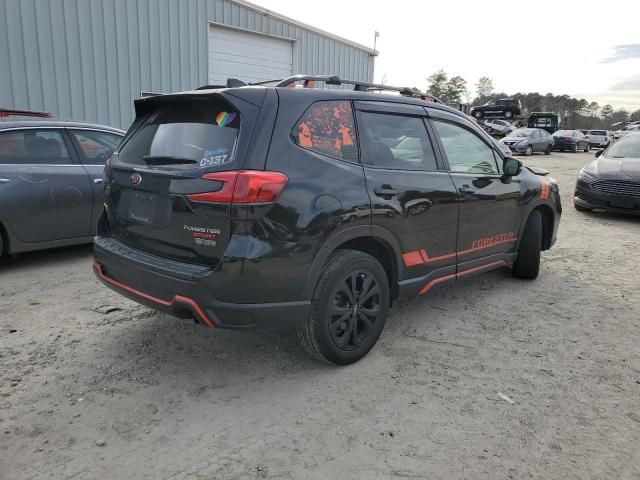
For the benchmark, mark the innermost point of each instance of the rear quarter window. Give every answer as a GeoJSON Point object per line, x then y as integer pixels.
{"type": "Point", "coordinates": [327, 127]}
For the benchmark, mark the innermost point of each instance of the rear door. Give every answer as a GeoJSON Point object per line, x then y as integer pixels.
{"type": "Point", "coordinates": [411, 195]}
{"type": "Point", "coordinates": [45, 193]}
{"type": "Point", "coordinates": [490, 211]}
{"type": "Point", "coordinates": [94, 148]}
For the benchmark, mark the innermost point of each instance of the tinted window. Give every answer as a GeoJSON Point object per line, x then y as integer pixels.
{"type": "Point", "coordinates": [193, 135]}
{"type": "Point", "coordinates": [597, 132]}
{"type": "Point", "coordinates": [96, 147]}
{"type": "Point", "coordinates": [466, 152]}
{"type": "Point", "coordinates": [33, 146]}
{"type": "Point", "coordinates": [395, 141]}
{"type": "Point", "coordinates": [327, 128]}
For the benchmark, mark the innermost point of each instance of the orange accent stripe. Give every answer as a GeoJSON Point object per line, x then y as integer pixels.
{"type": "Point", "coordinates": [176, 298]}
{"type": "Point", "coordinates": [438, 280]}
{"type": "Point", "coordinates": [412, 258]}
{"type": "Point", "coordinates": [419, 257]}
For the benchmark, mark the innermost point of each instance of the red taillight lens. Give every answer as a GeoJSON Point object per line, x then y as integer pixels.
{"type": "Point", "coordinates": [568, 139]}
{"type": "Point", "coordinates": [244, 186]}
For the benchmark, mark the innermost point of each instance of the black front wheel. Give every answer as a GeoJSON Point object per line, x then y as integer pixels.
{"type": "Point", "coordinates": [587, 148]}
{"type": "Point", "coordinates": [348, 310]}
{"type": "Point", "coordinates": [548, 150]}
{"type": "Point", "coordinates": [527, 264]}
{"type": "Point", "coordinates": [508, 114]}
{"type": "Point", "coordinates": [529, 151]}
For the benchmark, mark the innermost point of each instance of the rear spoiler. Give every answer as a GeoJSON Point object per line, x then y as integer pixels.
{"type": "Point", "coordinates": [7, 112]}
{"type": "Point", "coordinates": [538, 171]}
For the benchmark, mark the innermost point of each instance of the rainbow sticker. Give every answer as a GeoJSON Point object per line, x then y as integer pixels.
{"type": "Point", "coordinates": [225, 118]}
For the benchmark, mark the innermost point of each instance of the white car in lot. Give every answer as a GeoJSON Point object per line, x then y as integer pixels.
{"type": "Point", "coordinates": [599, 138]}
{"type": "Point", "coordinates": [500, 126]}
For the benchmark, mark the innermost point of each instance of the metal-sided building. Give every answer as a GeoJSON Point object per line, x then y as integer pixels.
{"type": "Point", "coordinates": [88, 59]}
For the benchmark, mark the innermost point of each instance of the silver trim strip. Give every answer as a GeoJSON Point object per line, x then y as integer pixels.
{"type": "Point", "coordinates": [5, 180]}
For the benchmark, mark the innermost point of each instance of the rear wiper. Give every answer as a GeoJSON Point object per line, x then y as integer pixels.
{"type": "Point", "coordinates": [167, 160]}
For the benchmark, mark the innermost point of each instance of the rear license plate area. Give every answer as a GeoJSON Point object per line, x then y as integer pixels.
{"type": "Point", "coordinates": [148, 208]}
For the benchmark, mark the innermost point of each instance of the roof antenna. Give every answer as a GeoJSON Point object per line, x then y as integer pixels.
{"type": "Point", "coordinates": [234, 83]}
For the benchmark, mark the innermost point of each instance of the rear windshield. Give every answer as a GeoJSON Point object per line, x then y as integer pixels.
{"type": "Point", "coordinates": [185, 136]}
{"type": "Point", "coordinates": [566, 133]}
{"type": "Point", "coordinates": [597, 132]}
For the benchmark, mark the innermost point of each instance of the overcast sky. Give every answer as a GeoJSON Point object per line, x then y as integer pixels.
{"type": "Point", "coordinates": [587, 49]}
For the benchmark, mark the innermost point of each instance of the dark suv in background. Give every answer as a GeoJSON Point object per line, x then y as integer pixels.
{"type": "Point", "coordinates": [504, 107]}
{"type": "Point", "coordinates": [317, 208]}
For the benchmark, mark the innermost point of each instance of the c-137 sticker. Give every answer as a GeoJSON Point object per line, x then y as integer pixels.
{"type": "Point", "coordinates": [215, 158]}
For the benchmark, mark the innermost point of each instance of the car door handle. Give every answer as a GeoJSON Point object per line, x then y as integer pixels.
{"type": "Point", "coordinates": [4, 180]}
{"type": "Point", "coordinates": [97, 180]}
{"type": "Point", "coordinates": [385, 191]}
{"type": "Point", "coordinates": [466, 189]}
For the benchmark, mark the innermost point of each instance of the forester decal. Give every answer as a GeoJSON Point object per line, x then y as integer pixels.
{"type": "Point", "coordinates": [493, 240]}
{"type": "Point", "coordinates": [420, 257]}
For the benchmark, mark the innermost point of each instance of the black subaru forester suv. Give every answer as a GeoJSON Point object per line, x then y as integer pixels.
{"type": "Point", "coordinates": [265, 206]}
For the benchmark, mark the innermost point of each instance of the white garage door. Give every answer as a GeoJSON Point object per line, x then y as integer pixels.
{"type": "Point", "coordinates": [250, 57]}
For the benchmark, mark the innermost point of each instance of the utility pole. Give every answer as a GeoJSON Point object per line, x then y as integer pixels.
{"type": "Point", "coordinates": [376, 34]}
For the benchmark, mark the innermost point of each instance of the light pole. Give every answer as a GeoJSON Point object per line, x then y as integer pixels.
{"type": "Point", "coordinates": [376, 34]}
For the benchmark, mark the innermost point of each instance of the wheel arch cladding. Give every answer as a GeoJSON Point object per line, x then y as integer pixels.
{"type": "Point", "coordinates": [546, 214]}
{"type": "Point", "coordinates": [547, 225]}
{"type": "Point", "coordinates": [382, 252]}
{"type": "Point", "coordinates": [382, 246]}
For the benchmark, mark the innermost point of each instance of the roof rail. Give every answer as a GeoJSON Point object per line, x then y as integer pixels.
{"type": "Point", "coordinates": [8, 112]}
{"type": "Point", "coordinates": [358, 86]}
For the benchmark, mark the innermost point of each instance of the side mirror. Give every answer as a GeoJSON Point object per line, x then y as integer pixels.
{"type": "Point", "coordinates": [511, 167]}
{"type": "Point", "coordinates": [599, 152]}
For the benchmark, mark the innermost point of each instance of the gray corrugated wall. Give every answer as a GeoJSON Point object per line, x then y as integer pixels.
{"type": "Point", "coordinates": [88, 59]}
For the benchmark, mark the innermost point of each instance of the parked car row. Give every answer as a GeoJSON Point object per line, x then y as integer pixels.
{"type": "Point", "coordinates": [530, 140]}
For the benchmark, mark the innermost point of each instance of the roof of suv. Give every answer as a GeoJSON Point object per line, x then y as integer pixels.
{"type": "Point", "coordinates": [314, 94]}
{"type": "Point", "coordinates": [6, 124]}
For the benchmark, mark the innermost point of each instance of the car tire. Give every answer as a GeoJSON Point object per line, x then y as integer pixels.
{"type": "Point", "coordinates": [327, 334]}
{"type": "Point", "coordinates": [574, 148]}
{"type": "Point", "coordinates": [529, 151]}
{"type": "Point", "coordinates": [548, 150]}
{"type": "Point", "coordinates": [580, 208]}
{"type": "Point", "coordinates": [508, 114]}
{"type": "Point", "coordinates": [527, 264]}
{"type": "Point", "coordinates": [587, 148]}
{"type": "Point", "coordinates": [477, 114]}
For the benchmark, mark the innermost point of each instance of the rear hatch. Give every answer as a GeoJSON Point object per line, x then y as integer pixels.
{"type": "Point", "coordinates": [155, 195]}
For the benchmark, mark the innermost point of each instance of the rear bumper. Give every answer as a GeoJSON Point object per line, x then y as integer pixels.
{"type": "Point", "coordinates": [183, 292]}
{"type": "Point", "coordinates": [564, 145]}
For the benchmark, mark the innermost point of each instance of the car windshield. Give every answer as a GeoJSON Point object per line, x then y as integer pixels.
{"type": "Point", "coordinates": [626, 147]}
{"type": "Point", "coordinates": [597, 132]}
{"type": "Point", "coordinates": [522, 132]}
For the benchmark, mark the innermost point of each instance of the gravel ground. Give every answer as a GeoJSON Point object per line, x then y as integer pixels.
{"type": "Point", "coordinates": [490, 378]}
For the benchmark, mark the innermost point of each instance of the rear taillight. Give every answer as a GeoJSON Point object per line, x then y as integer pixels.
{"type": "Point", "coordinates": [568, 139]}
{"type": "Point", "coordinates": [244, 186]}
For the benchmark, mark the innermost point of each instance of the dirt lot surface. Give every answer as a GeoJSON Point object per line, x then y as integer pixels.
{"type": "Point", "coordinates": [490, 378]}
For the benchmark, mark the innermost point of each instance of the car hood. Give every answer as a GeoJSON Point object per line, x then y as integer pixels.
{"type": "Point", "coordinates": [615, 168]}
